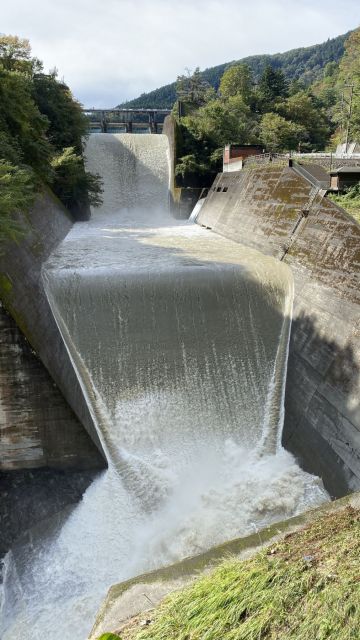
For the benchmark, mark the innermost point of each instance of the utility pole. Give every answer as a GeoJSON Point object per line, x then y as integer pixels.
{"type": "Point", "coordinates": [349, 103]}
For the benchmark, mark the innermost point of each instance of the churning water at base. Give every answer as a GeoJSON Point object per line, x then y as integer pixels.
{"type": "Point", "coordinates": [179, 338]}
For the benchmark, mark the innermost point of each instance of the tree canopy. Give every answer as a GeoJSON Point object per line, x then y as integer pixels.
{"type": "Point", "coordinates": [41, 133]}
{"type": "Point", "coordinates": [281, 115]}
{"type": "Point", "coordinates": [15, 53]}
{"type": "Point", "coordinates": [237, 80]}
{"type": "Point", "coordinates": [349, 78]}
{"type": "Point", "coordinates": [272, 87]}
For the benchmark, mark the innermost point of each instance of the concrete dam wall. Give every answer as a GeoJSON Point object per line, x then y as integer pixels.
{"type": "Point", "coordinates": [278, 212]}
{"type": "Point", "coordinates": [37, 426]}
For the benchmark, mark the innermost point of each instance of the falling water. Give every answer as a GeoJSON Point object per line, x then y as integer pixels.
{"type": "Point", "coordinates": [179, 339]}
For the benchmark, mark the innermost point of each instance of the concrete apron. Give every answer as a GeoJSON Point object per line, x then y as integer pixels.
{"type": "Point", "coordinates": [142, 593]}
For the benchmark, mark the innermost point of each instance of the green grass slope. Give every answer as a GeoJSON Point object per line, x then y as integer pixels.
{"type": "Point", "coordinates": [350, 201]}
{"type": "Point", "coordinates": [306, 587]}
{"type": "Point", "coordinates": [305, 64]}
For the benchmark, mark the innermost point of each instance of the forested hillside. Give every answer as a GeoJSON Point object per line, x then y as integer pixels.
{"type": "Point", "coordinates": [271, 111]}
{"type": "Point", "coordinates": [305, 64]}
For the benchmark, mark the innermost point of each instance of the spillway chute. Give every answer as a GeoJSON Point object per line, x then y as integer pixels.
{"type": "Point", "coordinates": [179, 338]}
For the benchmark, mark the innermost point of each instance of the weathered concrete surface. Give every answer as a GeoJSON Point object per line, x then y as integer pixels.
{"type": "Point", "coordinates": [31, 436]}
{"type": "Point", "coordinates": [262, 208]}
{"type": "Point", "coordinates": [37, 426]}
{"type": "Point", "coordinates": [141, 594]}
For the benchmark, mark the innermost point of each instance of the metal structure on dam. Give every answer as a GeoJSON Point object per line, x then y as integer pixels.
{"type": "Point", "coordinates": [168, 338]}
{"type": "Point", "coordinates": [126, 120]}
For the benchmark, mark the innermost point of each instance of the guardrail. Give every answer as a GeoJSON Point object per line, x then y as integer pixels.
{"type": "Point", "coordinates": [328, 160]}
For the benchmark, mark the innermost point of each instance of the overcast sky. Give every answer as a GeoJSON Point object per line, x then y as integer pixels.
{"type": "Point", "coordinates": [112, 50]}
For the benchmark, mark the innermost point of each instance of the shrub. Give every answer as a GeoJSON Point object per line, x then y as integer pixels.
{"type": "Point", "coordinates": [17, 193]}
{"type": "Point", "coordinates": [72, 184]}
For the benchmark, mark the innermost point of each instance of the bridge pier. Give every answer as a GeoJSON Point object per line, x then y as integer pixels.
{"type": "Point", "coordinates": [152, 122]}
{"type": "Point", "coordinates": [153, 127]}
{"type": "Point", "coordinates": [103, 122]}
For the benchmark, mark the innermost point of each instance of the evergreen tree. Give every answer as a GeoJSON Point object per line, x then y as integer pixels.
{"type": "Point", "coordinates": [192, 90]}
{"type": "Point", "coordinates": [272, 87]}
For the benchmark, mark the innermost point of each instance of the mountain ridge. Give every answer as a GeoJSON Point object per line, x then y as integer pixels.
{"type": "Point", "coordinates": [305, 64]}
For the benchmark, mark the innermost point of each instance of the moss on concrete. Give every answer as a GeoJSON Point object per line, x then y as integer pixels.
{"type": "Point", "coordinates": [5, 285]}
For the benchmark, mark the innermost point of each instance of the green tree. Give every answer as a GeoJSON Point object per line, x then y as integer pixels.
{"type": "Point", "coordinates": [72, 184]}
{"type": "Point", "coordinates": [17, 194]}
{"type": "Point", "coordinates": [331, 69]}
{"type": "Point", "coordinates": [191, 164]}
{"type": "Point", "coordinates": [9, 148]}
{"type": "Point", "coordinates": [222, 121]}
{"type": "Point", "coordinates": [303, 109]}
{"type": "Point", "coordinates": [15, 53]}
{"type": "Point", "coordinates": [279, 134]}
{"type": "Point", "coordinates": [192, 90]}
{"type": "Point", "coordinates": [237, 80]}
{"type": "Point", "coordinates": [206, 130]}
{"type": "Point", "coordinates": [349, 74]}
{"type": "Point", "coordinates": [295, 86]}
{"type": "Point", "coordinates": [272, 87]}
{"type": "Point", "coordinates": [22, 122]}
{"type": "Point", "coordinates": [67, 123]}
{"type": "Point", "coordinates": [41, 132]}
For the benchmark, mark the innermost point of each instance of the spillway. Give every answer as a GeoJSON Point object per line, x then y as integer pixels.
{"type": "Point", "coordinates": [179, 339]}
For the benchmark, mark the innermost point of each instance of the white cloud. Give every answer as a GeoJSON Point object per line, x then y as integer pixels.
{"type": "Point", "coordinates": [117, 49]}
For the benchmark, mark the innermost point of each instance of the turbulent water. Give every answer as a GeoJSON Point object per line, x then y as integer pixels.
{"type": "Point", "coordinates": [179, 338]}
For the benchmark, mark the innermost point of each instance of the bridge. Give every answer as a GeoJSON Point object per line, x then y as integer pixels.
{"type": "Point", "coordinates": [126, 120]}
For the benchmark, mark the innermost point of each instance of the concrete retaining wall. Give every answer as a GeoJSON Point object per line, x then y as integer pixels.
{"type": "Point", "coordinates": [263, 208]}
{"type": "Point", "coordinates": [182, 199]}
{"type": "Point", "coordinates": [37, 427]}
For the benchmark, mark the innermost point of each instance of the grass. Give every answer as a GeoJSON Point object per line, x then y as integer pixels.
{"type": "Point", "coordinates": [350, 201]}
{"type": "Point", "coordinates": [306, 587]}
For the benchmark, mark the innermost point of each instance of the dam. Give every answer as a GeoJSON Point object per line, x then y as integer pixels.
{"type": "Point", "coordinates": [178, 338]}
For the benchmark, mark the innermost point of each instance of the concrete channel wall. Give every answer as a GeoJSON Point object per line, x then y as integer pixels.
{"type": "Point", "coordinates": [278, 212]}
{"type": "Point", "coordinates": [37, 426]}
{"type": "Point", "coordinates": [37, 381]}
{"type": "Point", "coordinates": [181, 199]}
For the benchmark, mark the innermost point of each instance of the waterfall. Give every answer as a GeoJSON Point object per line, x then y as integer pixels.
{"type": "Point", "coordinates": [179, 339]}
